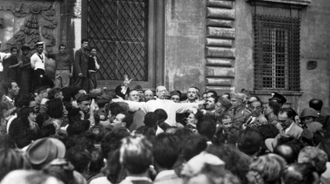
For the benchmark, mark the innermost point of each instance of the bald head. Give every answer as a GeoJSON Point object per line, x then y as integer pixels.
{"type": "Point", "coordinates": [285, 152]}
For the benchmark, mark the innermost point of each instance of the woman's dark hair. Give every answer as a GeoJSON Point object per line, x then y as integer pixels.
{"type": "Point", "coordinates": [96, 161]}
{"type": "Point", "coordinates": [55, 108]}
{"type": "Point", "coordinates": [79, 157]}
{"type": "Point", "coordinates": [275, 106]}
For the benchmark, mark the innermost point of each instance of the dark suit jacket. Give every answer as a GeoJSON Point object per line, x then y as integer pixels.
{"type": "Point", "coordinates": [81, 63]}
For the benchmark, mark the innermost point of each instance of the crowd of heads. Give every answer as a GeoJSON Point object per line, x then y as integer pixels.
{"type": "Point", "coordinates": [70, 136]}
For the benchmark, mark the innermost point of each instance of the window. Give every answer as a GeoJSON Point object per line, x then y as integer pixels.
{"type": "Point", "coordinates": [276, 53]}
{"type": "Point", "coordinates": [119, 29]}
{"type": "Point", "coordinates": [128, 35]}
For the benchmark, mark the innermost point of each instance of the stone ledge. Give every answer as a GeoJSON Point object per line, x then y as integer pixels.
{"type": "Point", "coordinates": [220, 4]}
{"type": "Point", "coordinates": [219, 62]}
{"type": "Point", "coordinates": [220, 72]}
{"type": "Point", "coordinates": [219, 82]}
{"type": "Point", "coordinates": [217, 32]}
{"type": "Point", "coordinates": [219, 42]}
{"type": "Point", "coordinates": [220, 23]}
{"type": "Point", "coordinates": [218, 52]}
{"type": "Point", "coordinates": [292, 2]}
{"type": "Point", "coordinates": [283, 92]}
{"type": "Point", "coordinates": [220, 90]}
{"type": "Point", "coordinates": [220, 13]}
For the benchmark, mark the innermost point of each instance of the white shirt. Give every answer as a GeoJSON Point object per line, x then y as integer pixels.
{"type": "Point", "coordinates": [170, 107]}
{"type": "Point", "coordinates": [287, 130]}
{"type": "Point", "coordinates": [2, 57]}
{"type": "Point", "coordinates": [38, 61]}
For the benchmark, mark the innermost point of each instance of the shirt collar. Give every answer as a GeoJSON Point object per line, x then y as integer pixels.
{"type": "Point", "coordinates": [139, 178]}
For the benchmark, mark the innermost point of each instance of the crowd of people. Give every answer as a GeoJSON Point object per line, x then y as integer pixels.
{"type": "Point", "coordinates": [74, 134]}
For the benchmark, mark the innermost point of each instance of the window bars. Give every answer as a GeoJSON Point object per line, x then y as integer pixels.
{"type": "Point", "coordinates": [276, 52]}
{"type": "Point", "coordinates": [119, 30]}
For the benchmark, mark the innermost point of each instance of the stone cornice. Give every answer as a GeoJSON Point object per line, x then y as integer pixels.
{"type": "Point", "coordinates": [289, 2]}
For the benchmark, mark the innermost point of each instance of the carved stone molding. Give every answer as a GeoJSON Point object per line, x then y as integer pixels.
{"type": "Point", "coordinates": [29, 33]}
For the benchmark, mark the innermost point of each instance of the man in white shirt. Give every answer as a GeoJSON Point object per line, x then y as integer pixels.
{"type": "Point", "coordinates": [38, 61]}
{"type": "Point", "coordinates": [169, 106]}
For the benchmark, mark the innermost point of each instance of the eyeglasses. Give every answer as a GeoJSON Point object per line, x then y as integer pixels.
{"type": "Point", "coordinates": [256, 108]}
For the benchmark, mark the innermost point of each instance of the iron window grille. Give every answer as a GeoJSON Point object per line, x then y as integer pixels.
{"type": "Point", "coordinates": [276, 52]}
{"type": "Point", "coordinates": [119, 30]}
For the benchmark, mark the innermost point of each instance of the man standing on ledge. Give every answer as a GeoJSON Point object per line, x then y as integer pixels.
{"type": "Point", "coordinates": [81, 66]}
{"type": "Point", "coordinates": [38, 61]}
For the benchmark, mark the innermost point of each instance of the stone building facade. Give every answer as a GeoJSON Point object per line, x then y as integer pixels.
{"type": "Point", "coordinates": [224, 45]}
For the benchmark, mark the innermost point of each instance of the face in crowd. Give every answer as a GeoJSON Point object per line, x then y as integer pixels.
{"type": "Point", "coordinates": [134, 96]}
{"type": "Point", "coordinates": [14, 91]}
{"type": "Point", "coordinates": [62, 49]}
{"type": "Point", "coordinates": [40, 48]}
{"type": "Point", "coordinates": [148, 95]}
{"type": "Point", "coordinates": [210, 103]}
{"type": "Point", "coordinates": [284, 120]}
{"type": "Point", "coordinates": [161, 92]}
{"type": "Point", "coordinates": [175, 98]}
{"type": "Point", "coordinates": [235, 102]}
{"type": "Point", "coordinates": [118, 121]}
{"type": "Point", "coordinates": [192, 94]}
{"type": "Point", "coordinates": [255, 108]}
{"type": "Point", "coordinates": [85, 105]}
{"type": "Point", "coordinates": [85, 44]}
{"type": "Point", "coordinates": [227, 122]}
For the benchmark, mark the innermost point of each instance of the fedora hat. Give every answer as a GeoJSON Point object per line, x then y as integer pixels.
{"type": "Point", "coordinates": [43, 151]}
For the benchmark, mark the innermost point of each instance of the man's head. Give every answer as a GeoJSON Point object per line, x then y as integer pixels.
{"type": "Point", "coordinates": [308, 115]}
{"type": "Point", "coordinates": [192, 93]}
{"type": "Point", "coordinates": [136, 154]}
{"type": "Point", "coordinates": [148, 95]}
{"type": "Point", "coordinates": [84, 102]}
{"type": "Point", "coordinates": [207, 128]}
{"type": "Point", "coordinates": [175, 96]}
{"type": "Point", "coordinates": [62, 48]}
{"type": "Point", "coordinates": [84, 43]}
{"type": "Point", "coordinates": [256, 108]}
{"type": "Point", "coordinates": [11, 88]}
{"type": "Point", "coordinates": [210, 103]}
{"type": "Point", "coordinates": [166, 150]}
{"type": "Point", "coordinates": [286, 152]}
{"type": "Point", "coordinates": [237, 100]}
{"type": "Point", "coordinates": [315, 156]}
{"type": "Point", "coordinates": [211, 93]}
{"type": "Point", "coordinates": [40, 47]}
{"type": "Point", "coordinates": [25, 49]}
{"type": "Point", "coordinates": [150, 120]}
{"type": "Point", "coordinates": [134, 96]}
{"type": "Point", "coordinates": [123, 119]}
{"type": "Point", "coordinates": [250, 141]}
{"type": "Point", "coordinates": [316, 104]}
{"type": "Point", "coordinates": [272, 108]}
{"type": "Point", "coordinates": [227, 121]}
{"type": "Point", "coordinates": [93, 51]}
{"type": "Point", "coordinates": [14, 51]}
{"type": "Point", "coordinates": [286, 117]}
{"type": "Point", "coordinates": [161, 92]}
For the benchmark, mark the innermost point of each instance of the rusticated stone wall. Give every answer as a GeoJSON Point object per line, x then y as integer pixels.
{"type": "Point", "coordinates": [220, 45]}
